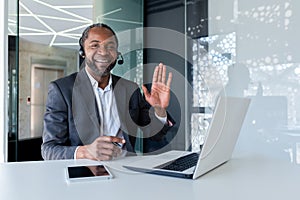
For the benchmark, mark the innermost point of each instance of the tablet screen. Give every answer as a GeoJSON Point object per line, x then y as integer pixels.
{"type": "Point", "coordinates": [89, 171]}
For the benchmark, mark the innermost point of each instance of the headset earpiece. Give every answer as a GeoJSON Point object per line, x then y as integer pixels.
{"type": "Point", "coordinates": [121, 60]}
{"type": "Point", "coordinates": [81, 52]}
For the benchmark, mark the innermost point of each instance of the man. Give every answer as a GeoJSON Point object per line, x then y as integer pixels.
{"type": "Point", "coordinates": [95, 115]}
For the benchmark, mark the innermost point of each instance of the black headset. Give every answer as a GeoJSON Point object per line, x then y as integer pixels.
{"type": "Point", "coordinates": [81, 52]}
{"type": "Point", "coordinates": [121, 59]}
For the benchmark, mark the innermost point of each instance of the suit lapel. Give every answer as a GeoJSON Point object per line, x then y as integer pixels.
{"type": "Point", "coordinates": [85, 109]}
{"type": "Point", "coordinates": [122, 100]}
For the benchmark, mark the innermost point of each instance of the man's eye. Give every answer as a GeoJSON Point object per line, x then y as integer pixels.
{"type": "Point", "coordinates": [111, 47]}
{"type": "Point", "coordinates": [94, 46]}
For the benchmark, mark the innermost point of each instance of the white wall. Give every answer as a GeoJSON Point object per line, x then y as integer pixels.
{"type": "Point", "coordinates": [267, 42]}
{"type": "Point", "coordinates": [3, 78]}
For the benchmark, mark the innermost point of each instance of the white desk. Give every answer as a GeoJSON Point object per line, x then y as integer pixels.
{"type": "Point", "coordinates": [247, 176]}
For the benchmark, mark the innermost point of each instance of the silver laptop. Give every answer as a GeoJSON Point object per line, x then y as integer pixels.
{"type": "Point", "coordinates": [220, 140]}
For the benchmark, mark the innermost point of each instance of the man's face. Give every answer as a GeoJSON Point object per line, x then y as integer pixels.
{"type": "Point", "coordinates": [100, 51]}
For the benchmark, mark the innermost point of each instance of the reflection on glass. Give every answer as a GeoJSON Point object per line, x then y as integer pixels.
{"type": "Point", "coordinates": [262, 37]}
{"type": "Point", "coordinates": [211, 57]}
{"type": "Point", "coordinates": [200, 123]}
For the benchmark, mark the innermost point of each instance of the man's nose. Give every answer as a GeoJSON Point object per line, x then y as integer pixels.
{"type": "Point", "coordinates": [102, 50]}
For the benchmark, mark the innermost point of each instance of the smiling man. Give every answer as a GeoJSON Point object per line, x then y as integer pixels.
{"type": "Point", "coordinates": [94, 114]}
{"type": "Point", "coordinates": [100, 53]}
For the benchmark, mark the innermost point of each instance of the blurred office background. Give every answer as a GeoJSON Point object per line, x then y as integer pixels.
{"type": "Point", "coordinates": [234, 47]}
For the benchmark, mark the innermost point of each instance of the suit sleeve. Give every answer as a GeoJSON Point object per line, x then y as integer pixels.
{"type": "Point", "coordinates": [56, 144]}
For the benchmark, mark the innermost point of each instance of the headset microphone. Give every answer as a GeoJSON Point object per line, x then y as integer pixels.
{"type": "Point", "coordinates": [120, 61]}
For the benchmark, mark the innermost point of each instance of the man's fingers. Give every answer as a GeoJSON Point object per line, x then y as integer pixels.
{"type": "Point", "coordinates": [146, 93]}
{"type": "Point", "coordinates": [110, 139]}
{"type": "Point", "coordinates": [155, 75]}
{"type": "Point", "coordinates": [159, 74]}
{"type": "Point", "coordinates": [105, 145]}
{"type": "Point", "coordinates": [160, 69]}
{"type": "Point", "coordinates": [118, 140]}
{"type": "Point", "coordinates": [169, 80]}
{"type": "Point", "coordinates": [163, 78]}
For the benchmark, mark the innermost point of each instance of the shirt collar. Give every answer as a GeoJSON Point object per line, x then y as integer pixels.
{"type": "Point", "coordinates": [95, 83]}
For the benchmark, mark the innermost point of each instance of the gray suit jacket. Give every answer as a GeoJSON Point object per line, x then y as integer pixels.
{"type": "Point", "coordinates": [71, 118]}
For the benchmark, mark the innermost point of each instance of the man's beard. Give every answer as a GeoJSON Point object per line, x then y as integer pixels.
{"type": "Point", "coordinates": [98, 72]}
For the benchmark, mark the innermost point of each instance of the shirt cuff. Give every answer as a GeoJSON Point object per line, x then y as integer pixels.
{"type": "Point", "coordinates": [75, 153]}
{"type": "Point", "coordinates": [162, 119]}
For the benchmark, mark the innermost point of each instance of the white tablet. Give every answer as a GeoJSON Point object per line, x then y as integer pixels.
{"type": "Point", "coordinates": [88, 173]}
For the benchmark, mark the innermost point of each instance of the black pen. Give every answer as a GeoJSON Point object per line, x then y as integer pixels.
{"type": "Point", "coordinates": [117, 144]}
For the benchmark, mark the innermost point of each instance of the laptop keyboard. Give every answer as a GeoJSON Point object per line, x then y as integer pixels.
{"type": "Point", "coordinates": [183, 163]}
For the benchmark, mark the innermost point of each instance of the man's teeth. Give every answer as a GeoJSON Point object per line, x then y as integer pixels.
{"type": "Point", "coordinates": [102, 61]}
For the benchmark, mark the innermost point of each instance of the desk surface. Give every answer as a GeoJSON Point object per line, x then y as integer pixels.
{"type": "Point", "coordinates": [246, 176]}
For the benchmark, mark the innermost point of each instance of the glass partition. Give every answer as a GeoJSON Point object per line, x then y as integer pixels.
{"type": "Point", "coordinates": [251, 51]}
{"type": "Point", "coordinates": [236, 48]}
{"type": "Point", "coordinates": [44, 46]}
{"type": "Point", "coordinates": [13, 73]}
{"type": "Point", "coordinates": [4, 80]}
